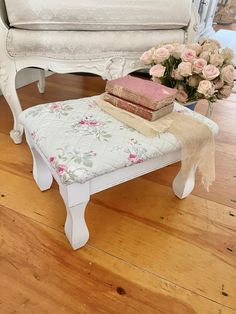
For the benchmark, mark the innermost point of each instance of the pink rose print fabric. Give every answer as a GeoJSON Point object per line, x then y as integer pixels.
{"type": "Point", "coordinates": [81, 142]}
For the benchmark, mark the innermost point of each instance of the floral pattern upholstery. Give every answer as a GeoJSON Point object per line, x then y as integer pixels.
{"type": "Point", "coordinates": [80, 141]}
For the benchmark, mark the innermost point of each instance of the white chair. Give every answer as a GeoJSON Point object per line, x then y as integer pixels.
{"type": "Point", "coordinates": [104, 38]}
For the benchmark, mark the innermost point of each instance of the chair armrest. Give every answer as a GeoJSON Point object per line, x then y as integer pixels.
{"type": "Point", "coordinates": [4, 23]}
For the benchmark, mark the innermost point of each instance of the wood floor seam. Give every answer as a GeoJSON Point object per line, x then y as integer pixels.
{"type": "Point", "coordinates": [156, 275]}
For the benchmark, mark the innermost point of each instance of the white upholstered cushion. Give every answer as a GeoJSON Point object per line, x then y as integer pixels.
{"type": "Point", "coordinates": [98, 14]}
{"type": "Point", "coordinates": [81, 141]}
{"type": "Point", "coordinates": [84, 45]}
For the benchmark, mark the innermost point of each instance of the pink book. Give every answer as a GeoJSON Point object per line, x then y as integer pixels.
{"type": "Point", "coordinates": [146, 113]}
{"type": "Point", "coordinates": [142, 92]}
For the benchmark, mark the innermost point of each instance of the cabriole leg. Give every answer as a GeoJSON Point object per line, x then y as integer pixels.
{"type": "Point", "coordinates": [41, 172]}
{"type": "Point", "coordinates": [75, 227]}
{"type": "Point", "coordinates": [41, 82]}
{"type": "Point", "coordinates": [184, 184]}
{"type": "Point", "coordinates": [8, 87]}
{"type": "Point", "coordinates": [76, 198]}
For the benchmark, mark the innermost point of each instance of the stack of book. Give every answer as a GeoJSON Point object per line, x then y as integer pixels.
{"type": "Point", "coordinates": [144, 98]}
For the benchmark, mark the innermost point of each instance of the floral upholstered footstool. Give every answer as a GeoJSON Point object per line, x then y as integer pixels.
{"type": "Point", "coordinates": [87, 151]}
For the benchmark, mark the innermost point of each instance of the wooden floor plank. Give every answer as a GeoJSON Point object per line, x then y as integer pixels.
{"type": "Point", "coordinates": [196, 248]}
{"type": "Point", "coordinates": [173, 228]}
{"type": "Point", "coordinates": [222, 191]}
{"type": "Point", "coordinates": [170, 255]}
{"type": "Point", "coordinates": [224, 188]}
{"type": "Point", "coordinates": [45, 276]}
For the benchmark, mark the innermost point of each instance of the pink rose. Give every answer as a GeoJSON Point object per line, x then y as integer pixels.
{"type": "Point", "coordinates": [225, 91]}
{"type": "Point", "coordinates": [161, 54]}
{"type": "Point", "coordinates": [61, 169]}
{"type": "Point", "coordinates": [206, 88]}
{"type": "Point", "coordinates": [188, 55]}
{"type": "Point", "coordinates": [178, 50]}
{"type": "Point", "coordinates": [210, 72]}
{"type": "Point", "coordinates": [198, 65]}
{"type": "Point", "coordinates": [209, 48]}
{"type": "Point", "coordinates": [52, 160]}
{"type": "Point", "coordinates": [210, 45]}
{"type": "Point", "coordinates": [157, 70]}
{"type": "Point", "coordinates": [185, 68]}
{"type": "Point", "coordinates": [227, 74]}
{"type": "Point", "coordinates": [56, 106]}
{"type": "Point", "coordinates": [215, 43]}
{"type": "Point", "coordinates": [194, 80]}
{"type": "Point", "coordinates": [181, 96]}
{"type": "Point", "coordinates": [89, 122]}
{"type": "Point", "coordinates": [135, 159]}
{"type": "Point", "coordinates": [228, 55]}
{"type": "Point", "coordinates": [93, 123]}
{"type": "Point", "coordinates": [175, 74]}
{"type": "Point", "coordinates": [146, 57]}
{"type": "Point", "coordinates": [169, 47]}
{"type": "Point", "coordinates": [216, 59]}
{"type": "Point", "coordinates": [202, 40]}
{"type": "Point", "coordinates": [218, 83]}
{"type": "Point", "coordinates": [204, 55]}
{"type": "Point", "coordinates": [196, 47]}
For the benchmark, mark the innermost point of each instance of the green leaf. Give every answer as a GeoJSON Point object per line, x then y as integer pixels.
{"type": "Point", "coordinates": [87, 163]}
{"type": "Point", "coordinates": [78, 160]}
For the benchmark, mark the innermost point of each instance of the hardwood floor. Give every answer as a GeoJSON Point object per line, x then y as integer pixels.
{"type": "Point", "coordinates": [148, 252]}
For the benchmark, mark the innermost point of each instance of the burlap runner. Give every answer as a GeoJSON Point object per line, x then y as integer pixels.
{"type": "Point", "coordinates": [196, 138]}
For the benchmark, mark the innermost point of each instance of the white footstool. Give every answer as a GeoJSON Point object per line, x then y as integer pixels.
{"type": "Point", "coordinates": [88, 151]}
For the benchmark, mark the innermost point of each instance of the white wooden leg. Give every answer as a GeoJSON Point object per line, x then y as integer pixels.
{"type": "Point", "coordinates": [41, 172]}
{"type": "Point", "coordinates": [41, 82]}
{"type": "Point", "coordinates": [75, 227]}
{"type": "Point", "coordinates": [8, 87]}
{"type": "Point", "coordinates": [76, 198]}
{"type": "Point", "coordinates": [183, 185]}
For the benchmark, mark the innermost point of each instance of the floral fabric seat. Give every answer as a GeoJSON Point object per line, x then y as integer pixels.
{"type": "Point", "coordinates": [82, 142]}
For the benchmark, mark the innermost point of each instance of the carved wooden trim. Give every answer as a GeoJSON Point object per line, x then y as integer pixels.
{"type": "Point", "coordinates": [107, 68]}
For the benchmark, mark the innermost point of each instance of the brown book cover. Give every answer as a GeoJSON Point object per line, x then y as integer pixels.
{"type": "Point", "coordinates": [142, 92]}
{"type": "Point", "coordinates": [148, 114]}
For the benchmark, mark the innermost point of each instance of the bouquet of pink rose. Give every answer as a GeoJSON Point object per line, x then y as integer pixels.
{"type": "Point", "coordinates": [198, 70]}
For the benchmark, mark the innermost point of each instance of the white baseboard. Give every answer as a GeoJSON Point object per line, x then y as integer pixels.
{"type": "Point", "coordinates": [27, 76]}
